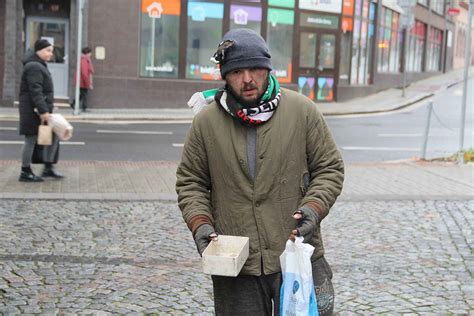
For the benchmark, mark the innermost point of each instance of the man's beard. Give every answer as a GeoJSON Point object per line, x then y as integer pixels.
{"type": "Point", "coordinates": [245, 103]}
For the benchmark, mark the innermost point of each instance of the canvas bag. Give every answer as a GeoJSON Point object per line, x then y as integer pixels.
{"type": "Point", "coordinates": [45, 135]}
{"type": "Point", "coordinates": [60, 126]}
{"type": "Point", "coordinates": [297, 296]}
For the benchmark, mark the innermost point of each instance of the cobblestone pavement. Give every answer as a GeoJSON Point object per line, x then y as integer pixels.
{"type": "Point", "coordinates": [119, 257]}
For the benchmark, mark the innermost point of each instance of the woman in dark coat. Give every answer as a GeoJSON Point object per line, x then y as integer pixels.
{"type": "Point", "coordinates": [36, 103]}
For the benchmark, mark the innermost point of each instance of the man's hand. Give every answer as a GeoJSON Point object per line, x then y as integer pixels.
{"type": "Point", "coordinates": [307, 220]}
{"type": "Point", "coordinates": [44, 117]}
{"type": "Point", "coordinates": [203, 236]}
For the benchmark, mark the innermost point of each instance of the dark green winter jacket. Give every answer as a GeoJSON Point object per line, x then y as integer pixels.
{"type": "Point", "coordinates": [297, 162]}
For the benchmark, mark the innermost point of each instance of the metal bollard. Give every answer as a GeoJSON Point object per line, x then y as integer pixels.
{"type": "Point", "coordinates": [427, 131]}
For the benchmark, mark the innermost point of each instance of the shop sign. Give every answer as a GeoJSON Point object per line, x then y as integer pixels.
{"type": "Point", "coordinates": [346, 24]}
{"type": "Point", "coordinates": [319, 20]}
{"type": "Point", "coordinates": [333, 6]}
{"type": "Point", "coordinates": [200, 11]}
{"type": "Point", "coordinates": [243, 14]}
{"type": "Point", "coordinates": [166, 67]}
{"type": "Point", "coordinates": [282, 3]}
{"type": "Point", "coordinates": [155, 9]}
{"type": "Point", "coordinates": [279, 16]}
{"type": "Point", "coordinates": [348, 7]}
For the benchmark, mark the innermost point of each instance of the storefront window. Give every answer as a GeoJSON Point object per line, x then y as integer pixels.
{"type": "Point", "coordinates": [433, 53]}
{"type": "Point", "coordinates": [280, 43]}
{"type": "Point", "coordinates": [327, 52]}
{"type": "Point", "coordinates": [307, 50]}
{"type": "Point", "coordinates": [159, 38]}
{"type": "Point", "coordinates": [362, 42]}
{"type": "Point", "coordinates": [388, 47]}
{"type": "Point", "coordinates": [344, 60]}
{"type": "Point", "coordinates": [204, 33]}
{"type": "Point", "coordinates": [355, 52]}
{"type": "Point", "coordinates": [394, 48]}
{"type": "Point", "coordinates": [416, 43]}
{"type": "Point", "coordinates": [245, 17]}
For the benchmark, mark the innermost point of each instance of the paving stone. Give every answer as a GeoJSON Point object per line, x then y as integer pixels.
{"type": "Point", "coordinates": [115, 257]}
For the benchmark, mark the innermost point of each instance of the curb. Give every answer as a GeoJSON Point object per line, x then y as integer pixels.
{"type": "Point", "coordinates": [188, 119]}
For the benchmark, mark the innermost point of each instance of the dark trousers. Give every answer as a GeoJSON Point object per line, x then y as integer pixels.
{"type": "Point", "coordinates": [260, 295]}
{"type": "Point", "coordinates": [82, 99]}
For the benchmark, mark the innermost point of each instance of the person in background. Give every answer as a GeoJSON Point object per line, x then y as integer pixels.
{"type": "Point", "coordinates": [87, 70]}
{"type": "Point", "coordinates": [36, 103]}
{"type": "Point", "coordinates": [259, 161]}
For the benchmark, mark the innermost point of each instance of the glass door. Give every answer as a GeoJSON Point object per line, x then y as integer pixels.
{"type": "Point", "coordinates": [317, 65]}
{"type": "Point", "coordinates": [56, 32]}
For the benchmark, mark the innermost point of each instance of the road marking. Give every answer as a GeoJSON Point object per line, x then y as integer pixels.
{"type": "Point", "coordinates": [17, 142]}
{"type": "Point", "coordinates": [8, 128]}
{"type": "Point", "coordinates": [178, 145]}
{"type": "Point", "coordinates": [106, 131]}
{"type": "Point", "coordinates": [380, 148]}
{"type": "Point", "coordinates": [400, 135]}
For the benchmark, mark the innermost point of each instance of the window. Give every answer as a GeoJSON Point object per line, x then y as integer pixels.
{"type": "Point", "coordinates": [245, 16]}
{"type": "Point", "coordinates": [437, 6]}
{"type": "Point", "coordinates": [204, 33]}
{"type": "Point", "coordinates": [389, 47]}
{"type": "Point", "coordinates": [280, 42]}
{"type": "Point", "coordinates": [416, 44]}
{"type": "Point", "coordinates": [364, 17]}
{"type": "Point", "coordinates": [159, 38]}
{"type": "Point", "coordinates": [433, 54]}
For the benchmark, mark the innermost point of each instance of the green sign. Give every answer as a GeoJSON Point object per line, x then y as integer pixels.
{"type": "Point", "coordinates": [320, 21]}
{"type": "Point", "coordinates": [282, 3]}
{"type": "Point", "coordinates": [280, 16]}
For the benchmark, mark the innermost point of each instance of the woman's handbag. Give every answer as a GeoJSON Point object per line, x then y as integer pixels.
{"type": "Point", "coordinates": [45, 135]}
{"type": "Point", "coordinates": [38, 156]}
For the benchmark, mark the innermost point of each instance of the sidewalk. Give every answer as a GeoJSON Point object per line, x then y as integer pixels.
{"type": "Point", "coordinates": [384, 101]}
{"type": "Point", "coordinates": [155, 180]}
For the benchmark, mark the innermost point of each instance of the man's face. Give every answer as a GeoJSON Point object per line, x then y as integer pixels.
{"type": "Point", "coordinates": [248, 84]}
{"type": "Point", "coordinates": [45, 53]}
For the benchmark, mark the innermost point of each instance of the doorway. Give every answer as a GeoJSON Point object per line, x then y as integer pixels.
{"type": "Point", "coordinates": [56, 31]}
{"type": "Point", "coordinates": [317, 64]}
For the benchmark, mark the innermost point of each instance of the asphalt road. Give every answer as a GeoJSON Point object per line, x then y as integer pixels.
{"type": "Point", "coordinates": [366, 138]}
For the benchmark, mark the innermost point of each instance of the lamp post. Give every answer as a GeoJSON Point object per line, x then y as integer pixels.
{"type": "Point", "coordinates": [467, 53]}
{"type": "Point", "coordinates": [80, 7]}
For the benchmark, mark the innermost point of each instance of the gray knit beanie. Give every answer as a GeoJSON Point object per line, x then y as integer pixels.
{"type": "Point", "coordinates": [242, 48]}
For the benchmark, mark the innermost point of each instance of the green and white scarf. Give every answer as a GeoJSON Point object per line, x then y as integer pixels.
{"type": "Point", "coordinates": [246, 115]}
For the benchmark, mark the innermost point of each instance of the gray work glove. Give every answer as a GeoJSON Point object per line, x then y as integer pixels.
{"type": "Point", "coordinates": [203, 236]}
{"type": "Point", "coordinates": [307, 219]}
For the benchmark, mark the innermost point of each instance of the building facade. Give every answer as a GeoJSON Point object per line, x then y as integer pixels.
{"type": "Point", "coordinates": [156, 53]}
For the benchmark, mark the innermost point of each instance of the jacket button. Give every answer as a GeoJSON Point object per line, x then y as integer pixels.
{"type": "Point", "coordinates": [257, 204]}
{"type": "Point", "coordinates": [261, 156]}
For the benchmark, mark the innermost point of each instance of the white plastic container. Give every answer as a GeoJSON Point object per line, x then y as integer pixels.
{"type": "Point", "coordinates": [226, 256]}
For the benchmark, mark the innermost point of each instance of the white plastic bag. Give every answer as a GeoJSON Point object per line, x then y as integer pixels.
{"type": "Point", "coordinates": [61, 126]}
{"type": "Point", "coordinates": [297, 296]}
